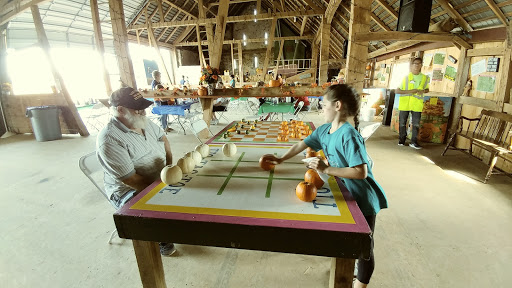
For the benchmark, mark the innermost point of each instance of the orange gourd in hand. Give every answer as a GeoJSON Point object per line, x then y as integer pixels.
{"type": "Point", "coordinates": [306, 191]}
{"type": "Point", "coordinates": [266, 165]}
{"type": "Point", "coordinates": [312, 176]}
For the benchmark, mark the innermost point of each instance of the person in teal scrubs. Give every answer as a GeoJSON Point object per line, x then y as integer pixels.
{"type": "Point", "coordinates": [346, 155]}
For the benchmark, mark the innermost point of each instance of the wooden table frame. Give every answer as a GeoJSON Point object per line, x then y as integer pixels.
{"type": "Point", "coordinates": [345, 243]}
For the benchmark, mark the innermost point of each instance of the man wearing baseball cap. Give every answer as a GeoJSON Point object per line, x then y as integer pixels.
{"type": "Point", "coordinates": [131, 150]}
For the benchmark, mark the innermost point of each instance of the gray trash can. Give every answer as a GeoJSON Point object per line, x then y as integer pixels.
{"type": "Point", "coordinates": [45, 122]}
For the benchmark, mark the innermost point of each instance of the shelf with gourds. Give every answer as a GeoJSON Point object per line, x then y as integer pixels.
{"type": "Point", "coordinates": [246, 91]}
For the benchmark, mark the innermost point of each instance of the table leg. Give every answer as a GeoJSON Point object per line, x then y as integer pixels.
{"type": "Point", "coordinates": [342, 273]}
{"type": "Point", "coordinates": [207, 104]}
{"type": "Point", "coordinates": [151, 269]}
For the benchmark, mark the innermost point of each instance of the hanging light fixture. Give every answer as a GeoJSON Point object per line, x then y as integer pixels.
{"type": "Point", "coordinates": [255, 13]}
{"type": "Point", "coordinates": [245, 40]}
{"type": "Point", "coordinates": [255, 61]}
{"type": "Point", "coordinates": [266, 38]}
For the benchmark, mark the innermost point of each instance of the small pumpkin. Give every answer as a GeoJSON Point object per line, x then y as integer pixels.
{"type": "Point", "coordinates": [229, 149]}
{"type": "Point", "coordinates": [274, 83]}
{"type": "Point", "coordinates": [266, 165]}
{"type": "Point", "coordinates": [306, 191]}
{"type": "Point", "coordinates": [312, 176]}
{"type": "Point", "coordinates": [196, 156]}
{"type": "Point", "coordinates": [203, 149]}
{"type": "Point", "coordinates": [171, 174]}
{"type": "Point", "coordinates": [186, 164]}
{"type": "Point", "coordinates": [311, 154]}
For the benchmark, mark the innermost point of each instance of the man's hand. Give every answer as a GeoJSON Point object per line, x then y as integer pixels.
{"type": "Point", "coordinates": [318, 164]}
{"type": "Point", "coordinates": [420, 92]}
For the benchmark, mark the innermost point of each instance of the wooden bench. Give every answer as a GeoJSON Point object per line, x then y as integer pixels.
{"type": "Point", "coordinates": [491, 131]}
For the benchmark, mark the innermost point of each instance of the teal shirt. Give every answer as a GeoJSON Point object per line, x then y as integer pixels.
{"type": "Point", "coordinates": [345, 148]}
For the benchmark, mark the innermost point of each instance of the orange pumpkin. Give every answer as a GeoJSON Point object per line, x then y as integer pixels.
{"type": "Point", "coordinates": [266, 165]}
{"type": "Point", "coordinates": [311, 154]}
{"type": "Point", "coordinates": [312, 176]}
{"type": "Point", "coordinates": [306, 191]}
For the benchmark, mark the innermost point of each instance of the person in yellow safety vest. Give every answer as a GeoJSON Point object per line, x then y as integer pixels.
{"type": "Point", "coordinates": [411, 91]}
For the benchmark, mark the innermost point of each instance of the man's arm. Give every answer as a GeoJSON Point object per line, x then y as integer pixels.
{"type": "Point", "coordinates": [137, 182]}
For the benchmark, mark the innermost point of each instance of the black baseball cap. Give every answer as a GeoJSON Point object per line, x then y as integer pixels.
{"type": "Point", "coordinates": [129, 98]}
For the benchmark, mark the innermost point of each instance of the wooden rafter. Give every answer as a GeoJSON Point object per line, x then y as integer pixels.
{"type": "Point", "coordinates": [231, 19]}
{"type": "Point", "coordinates": [454, 14]}
{"type": "Point", "coordinates": [180, 9]}
{"type": "Point", "coordinates": [388, 8]}
{"type": "Point", "coordinates": [98, 36]}
{"type": "Point", "coordinates": [331, 10]}
{"type": "Point", "coordinates": [166, 28]}
{"type": "Point", "coordinates": [253, 40]}
{"type": "Point", "coordinates": [268, 54]}
{"type": "Point", "coordinates": [59, 82]}
{"type": "Point", "coordinates": [13, 8]}
{"type": "Point", "coordinates": [497, 11]}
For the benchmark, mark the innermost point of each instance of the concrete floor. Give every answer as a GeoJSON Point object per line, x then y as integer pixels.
{"type": "Point", "coordinates": [444, 228]}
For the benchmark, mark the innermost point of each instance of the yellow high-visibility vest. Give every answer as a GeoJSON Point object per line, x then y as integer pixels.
{"type": "Point", "coordinates": [412, 102]}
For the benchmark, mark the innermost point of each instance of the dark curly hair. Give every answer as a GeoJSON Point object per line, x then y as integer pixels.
{"type": "Point", "coordinates": [350, 99]}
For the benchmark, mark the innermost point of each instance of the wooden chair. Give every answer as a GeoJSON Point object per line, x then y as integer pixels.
{"type": "Point", "coordinates": [492, 131]}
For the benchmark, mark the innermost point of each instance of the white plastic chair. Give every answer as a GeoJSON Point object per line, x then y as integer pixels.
{"type": "Point", "coordinates": [91, 167]}
{"type": "Point", "coordinates": [295, 114]}
{"type": "Point", "coordinates": [198, 126]}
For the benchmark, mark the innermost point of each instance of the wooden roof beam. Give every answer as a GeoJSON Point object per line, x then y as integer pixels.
{"type": "Point", "coordinates": [180, 9]}
{"type": "Point", "coordinates": [255, 40]}
{"type": "Point", "coordinates": [388, 8]}
{"type": "Point", "coordinates": [408, 36]}
{"type": "Point", "coordinates": [497, 11]}
{"type": "Point", "coordinates": [454, 14]}
{"type": "Point", "coordinates": [231, 19]}
{"type": "Point", "coordinates": [230, 2]}
{"type": "Point", "coordinates": [13, 8]}
{"type": "Point", "coordinates": [331, 10]}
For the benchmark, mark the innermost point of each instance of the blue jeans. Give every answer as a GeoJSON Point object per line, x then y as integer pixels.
{"type": "Point", "coordinates": [163, 118]}
{"type": "Point", "coordinates": [403, 120]}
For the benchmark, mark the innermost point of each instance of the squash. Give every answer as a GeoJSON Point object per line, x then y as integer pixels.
{"type": "Point", "coordinates": [306, 191]}
{"type": "Point", "coordinates": [267, 165]}
{"type": "Point", "coordinates": [312, 176]}
{"type": "Point", "coordinates": [196, 156]}
{"type": "Point", "coordinates": [229, 149]}
{"type": "Point", "coordinates": [274, 83]}
{"type": "Point", "coordinates": [171, 174]}
{"type": "Point", "coordinates": [186, 164]}
{"type": "Point", "coordinates": [203, 149]}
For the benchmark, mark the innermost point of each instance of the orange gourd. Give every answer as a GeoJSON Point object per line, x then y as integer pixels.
{"type": "Point", "coordinates": [266, 165]}
{"type": "Point", "coordinates": [306, 191]}
{"type": "Point", "coordinates": [312, 176]}
{"type": "Point", "coordinates": [311, 154]}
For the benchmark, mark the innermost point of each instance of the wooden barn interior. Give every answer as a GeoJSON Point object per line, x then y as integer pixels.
{"type": "Point", "coordinates": [449, 212]}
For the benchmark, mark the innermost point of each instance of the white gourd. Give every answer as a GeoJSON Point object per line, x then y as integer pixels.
{"type": "Point", "coordinates": [186, 164]}
{"type": "Point", "coordinates": [171, 174]}
{"type": "Point", "coordinates": [196, 156]}
{"type": "Point", "coordinates": [203, 149]}
{"type": "Point", "coordinates": [229, 149]}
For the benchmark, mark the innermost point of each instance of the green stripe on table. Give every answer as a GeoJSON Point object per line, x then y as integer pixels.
{"type": "Point", "coordinates": [252, 177]}
{"type": "Point", "coordinates": [230, 174]}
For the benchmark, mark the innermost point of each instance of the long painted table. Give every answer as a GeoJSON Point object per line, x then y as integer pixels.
{"type": "Point", "coordinates": [215, 206]}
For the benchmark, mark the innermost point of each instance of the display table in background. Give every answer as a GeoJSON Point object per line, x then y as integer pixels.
{"type": "Point", "coordinates": [283, 108]}
{"type": "Point", "coordinates": [434, 119]}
